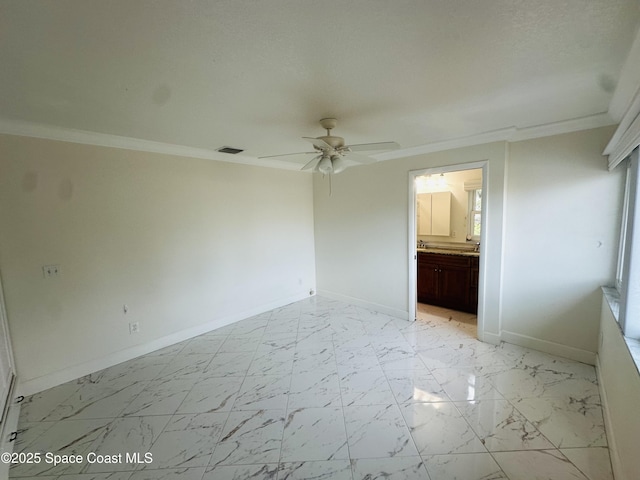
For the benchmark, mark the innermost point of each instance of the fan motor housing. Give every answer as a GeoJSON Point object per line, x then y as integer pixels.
{"type": "Point", "coordinates": [335, 142]}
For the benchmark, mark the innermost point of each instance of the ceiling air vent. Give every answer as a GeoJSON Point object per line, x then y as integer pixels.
{"type": "Point", "coordinates": [230, 150]}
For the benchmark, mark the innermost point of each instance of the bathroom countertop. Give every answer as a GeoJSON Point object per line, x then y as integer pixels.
{"type": "Point", "coordinates": [449, 251]}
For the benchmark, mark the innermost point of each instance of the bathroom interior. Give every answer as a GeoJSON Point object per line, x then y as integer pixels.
{"type": "Point", "coordinates": [448, 228]}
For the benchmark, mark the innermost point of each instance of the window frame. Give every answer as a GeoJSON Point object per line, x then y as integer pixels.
{"type": "Point", "coordinates": [620, 268]}
{"type": "Point", "coordinates": [629, 254]}
{"type": "Point", "coordinates": [471, 212]}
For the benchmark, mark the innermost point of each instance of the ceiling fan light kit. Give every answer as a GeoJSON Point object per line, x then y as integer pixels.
{"type": "Point", "coordinates": [338, 164]}
{"type": "Point", "coordinates": [332, 153]}
{"type": "Point", "coordinates": [324, 165]}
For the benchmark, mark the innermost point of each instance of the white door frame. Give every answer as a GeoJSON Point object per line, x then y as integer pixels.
{"type": "Point", "coordinates": [8, 366]}
{"type": "Point", "coordinates": [412, 247]}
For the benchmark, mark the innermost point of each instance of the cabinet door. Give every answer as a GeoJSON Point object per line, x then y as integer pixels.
{"type": "Point", "coordinates": [441, 213]}
{"type": "Point", "coordinates": [424, 214]}
{"type": "Point", "coordinates": [454, 286]}
{"type": "Point", "coordinates": [473, 282]}
{"type": "Point", "coordinates": [473, 292]}
{"type": "Point", "coordinates": [427, 282]}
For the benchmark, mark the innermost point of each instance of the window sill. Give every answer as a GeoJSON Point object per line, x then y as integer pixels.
{"type": "Point", "coordinates": [613, 299]}
{"type": "Point", "coordinates": [634, 349]}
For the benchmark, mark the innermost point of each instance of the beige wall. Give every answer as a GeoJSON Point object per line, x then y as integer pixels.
{"type": "Point", "coordinates": [183, 242]}
{"type": "Point", "coordinates": [559, 230]}
{"type": "Point", "coordinates": [561, 238]}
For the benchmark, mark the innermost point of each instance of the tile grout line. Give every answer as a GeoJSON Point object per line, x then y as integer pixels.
{"type": "Point", "coordinates": [286, 407]}
{"type": "Point", "coordinates": [238, 392]}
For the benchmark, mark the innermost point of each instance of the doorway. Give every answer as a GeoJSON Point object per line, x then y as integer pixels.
{"type": "Point", "coordinates": [446, 239]}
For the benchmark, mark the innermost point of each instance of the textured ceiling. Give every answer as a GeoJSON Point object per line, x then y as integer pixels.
{"type": "Point", "coordinates": [259, 74]}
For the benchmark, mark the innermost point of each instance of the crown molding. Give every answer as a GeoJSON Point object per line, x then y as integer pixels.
{"type": "Point", "coordinates": [567, 126]}
{"type": "Point", "coordinates": [511, 134]}
{"type": "Point", "coordinates": [488, 137]}
{"type": "Point", "coordinates": [50, 132]}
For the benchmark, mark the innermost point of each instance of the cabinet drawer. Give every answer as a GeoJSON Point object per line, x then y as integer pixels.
{"type": "Point", "coordinates": [439, 259]}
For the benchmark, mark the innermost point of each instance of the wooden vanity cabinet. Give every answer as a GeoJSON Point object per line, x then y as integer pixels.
{"type": "Point", "coordinates": [448, 281]}
{"type": "Point", "coordinates": [473, 288]}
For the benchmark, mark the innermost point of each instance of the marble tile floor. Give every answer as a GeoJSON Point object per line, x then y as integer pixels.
{"type": "Point", "coordinates": [320, 389]}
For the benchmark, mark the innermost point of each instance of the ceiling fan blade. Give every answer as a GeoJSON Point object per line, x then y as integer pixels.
{"type": "Point", "coordinates": [359, 158]}
{"type": "Point", "coordinates": [370, 147]}
{"type": "Point", "coordinates": [312, 163]}
{"type": "Point", "coordinates": [318, 143]}
{"type": "Point", "coordinates": [289, 154]}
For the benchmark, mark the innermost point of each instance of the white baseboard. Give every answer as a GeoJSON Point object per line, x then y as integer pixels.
{"type": "Point", "coordinates": [546, 346]}
{"type": "Point", "coordinates": [376, 307]}
{"type": "Point", "coordinates": [491, 338]}
{"type": "Point", "coordinates": [76, 371]}
{"type": "Point", "coordinates": [608, 425]}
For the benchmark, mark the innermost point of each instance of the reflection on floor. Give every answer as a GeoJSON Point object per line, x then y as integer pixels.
{"type": "Point", "coordinates": [325, 390]}
{"type": "Point", "coordinates": [427, 312]}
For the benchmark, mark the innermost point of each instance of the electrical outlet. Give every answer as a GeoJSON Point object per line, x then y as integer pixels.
{"type": "Point", "coordinates": [134, 327]}
{"type": "Point", "coordinates": [49, 271]}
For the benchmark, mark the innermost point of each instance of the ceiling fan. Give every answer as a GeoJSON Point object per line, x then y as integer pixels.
{"type": "Point", "coordinates": [332, 155]}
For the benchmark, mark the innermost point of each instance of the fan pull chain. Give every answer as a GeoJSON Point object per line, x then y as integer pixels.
{"type": "Point", "coordinates": [330, 190]}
